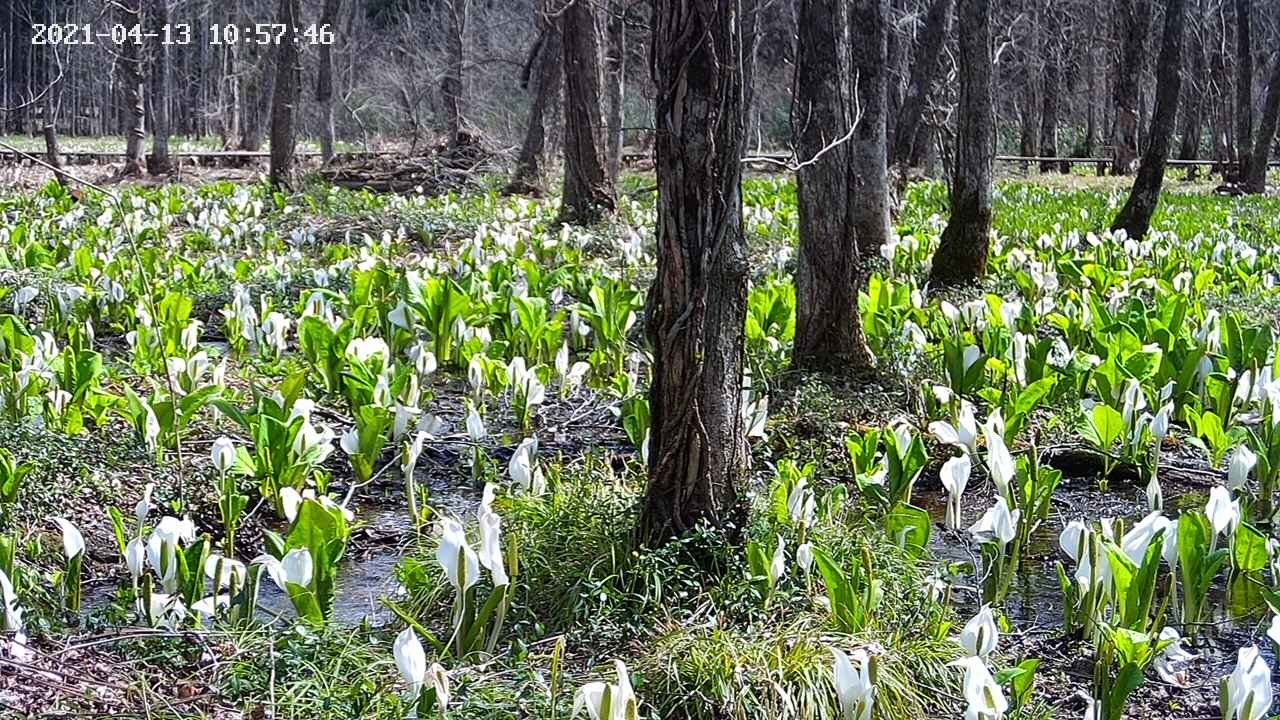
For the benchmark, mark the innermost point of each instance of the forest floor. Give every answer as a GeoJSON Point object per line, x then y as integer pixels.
{"type": "Point", "coordinates": [261, 297]}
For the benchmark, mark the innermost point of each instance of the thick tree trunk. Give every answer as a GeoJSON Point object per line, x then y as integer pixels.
{"type": "Point", "coordinates": [910, 141]}
{"type": "Point", "coordinates": [130, 66]}
{"type": "Point", "coordinates": [1257, 179]}
{"type": "Point", "coordinates": [1244, 82]}
{"type": "Point", "coordinates": [962, 252]}
{"type": "Point", "coordinates": [1131, 19]}
{"type": "Point", "coordinates": [284, 101]}
{"type": "Point", "coordinates": [158, 18]}
{"type": "Point", "coordinates": [615, 85]}
{"type": "Point", "coordinates": [588, 193]}
{"type": "Point", "coordinates": [829, 274]}
{"type": "Point", "coordinates": [697, 305]}
{"type": "Point", "coordinates": [1135, 216]}
{"type": "Point", "coordinates": [324, 80]}
{"type": "Point", "coordinates": [542, 72]}
{"type": "Point", "coordinates": [451, 84]}
{"type": "Point", "coordinates": [868, 152]}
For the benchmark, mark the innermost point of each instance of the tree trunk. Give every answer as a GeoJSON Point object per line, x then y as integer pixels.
{"type": "Point", "coordinates": [828, 332]}
{"type": "Point", "coordinates": [157, 19]}
{"type": "Point", "coordinates": [1131, 16]}
{"type": "Point", "coordinates": [543, 73]}
{"type": "Point", "coordinates": [962, 252]}
{"type": "Point", "coordinates": [451, 84]}
{"type": "Point", "coordinates": [910, 139]}
{"type": "Point", "coordinates": [615, 85]}
{"type": "Point", "coordinates": [324, 80]}
{"type": "Point", "coordinates": [588, 194]}
{"type": "Point", "coordinates": [1051, 89]}
{"type": "Point", "coordinates": [284, 101]}
{"type": "Point", "coordinates": [1090, 69]}
{"type": "Point", "coordinates": [1244, 82]}
{"type": "Point", "coordinates": [698, 302]}
{"type": "Point", "coordinates": [868, 151]}
{"type": "Point", "coordinates": [130, 65]}
{"type": "Point", "coordinates": [1135, 216]}
{"type": "Point", "coordinates": [1257, 179]}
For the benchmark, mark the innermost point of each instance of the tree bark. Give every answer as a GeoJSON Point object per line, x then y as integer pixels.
{"type": "Point", "coordinates": [1244, 82]}
{"type": "Point", "coordinates": [543, 73]}
{"type": "Point", "coordinates": [1051, 87]}
{"type": "Point", "coordinates": [324, 79]}
{"type": "Point", "coordinates": [1131, 16]}
{"type": "Point", "coordinates": [130, 66]}
{"type": "Point", "coordinates": [962, 252]}
{"type": "Point", "coordinates": [588, 193]}
{"type": "Point", "coordinates": [158, 18]}
{"type": "Point", "coordinates": [829, 272]}
{"type": "Point", "coordinates": [868, 152]}
{"type": "Point", "coordinates": [615, 85]}
{"type": "Point", "coordinates": [1257, 179]}
{"type": "Point", "coordinates": [284, 101]}
{"type": "Point", "coordinates": [911, 136]}
{"type": "Point", "coordinates": [697, 305]}
{"type": "Point", "coordinates": [451, 84]}
{"type": "Point", "coordinates": [1135, 216]}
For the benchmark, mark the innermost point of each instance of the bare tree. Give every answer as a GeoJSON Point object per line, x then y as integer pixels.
{"type": "Point", "coordinates": [157, 20]}
{"type": "Point", "coordinates": [697, 305]}
{"type": "Point", "coordinates": [868, 152]}
{"type": "Point", "coordinates": [615, 68]}
{"type": "Point", "coordinates": [1131, 17]}
{"type": "Point", "coordinates": [284, 101]}
{"type": "Point", "coordinates": [451, 84]}
{"type": "Point", "coordinates": [1244, 82]}
{"type": "Point", "coordinates": [910, 133]}
{"type": "Point", "coordinates": [588, 193]}
{"type": "Point", "coordinates": [324, 79]}
{"type": "Point", "coordinates": [1135, 216]}
{"type": "Point", "coordinates": [829, 274]}
{"type": "Point", "coordinates": [129, 14]}
{"type": "Point", "coordinates": [1051, 86]}
{"type": "Point", "coordinates": [961, 256]}
{"type": "Point", "coordinates": [541, 73]}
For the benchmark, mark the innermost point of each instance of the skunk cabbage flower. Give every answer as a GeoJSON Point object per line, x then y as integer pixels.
{"type": "Point", "coordinates": [999, 462]}
{"type": "Point", "coordinates": [411, 661]}
{"type": "Point", "coordinates": [491, 539]}
{"type": "Point", "coordinates": [1248, 688]}
{"type": "Point", "coordinates": [955, 476]}
{"type": "Point", "coordinates": [622, 705]}
{"type": "Point", "coordinates": [982, 693]}
{"type": "Point", "coordinates": [979, 636]}
{"type": "Point", "coordinates": [802, 507]}
{"type": "Point", "coordinates": [72, 540]}
{"type": "Point", "coordinates": [223, 454]}
{"type": "Point", "coordinates": [460, 562]}
{"type": "Point", "coordinates": [963, 436]}
{"type": "Point", "coordinates": [854, 686]}
{"type": "Point", "coordinates": [1242, 462]}
{"type": "Point", "coordinates": [778, 565]}
{"type": "Point", "coordinates": [1223, 512]}
{"type": "Point", "coordinates": [296, 568]}
{"type": "Point", "coordinates": [997, 524]}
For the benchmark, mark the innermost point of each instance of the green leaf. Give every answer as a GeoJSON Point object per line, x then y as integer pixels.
{"type": "Point", "coordinates": [1249, 549]}
{"type": "Point", "coordinates": [909, 526]}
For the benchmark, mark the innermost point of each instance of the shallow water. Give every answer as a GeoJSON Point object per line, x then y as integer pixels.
{"type": "Point", "coordinates": [1235, 615]}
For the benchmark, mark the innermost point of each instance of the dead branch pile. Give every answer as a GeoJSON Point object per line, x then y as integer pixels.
{"type": "Point", "coordinates": [445, 168]}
